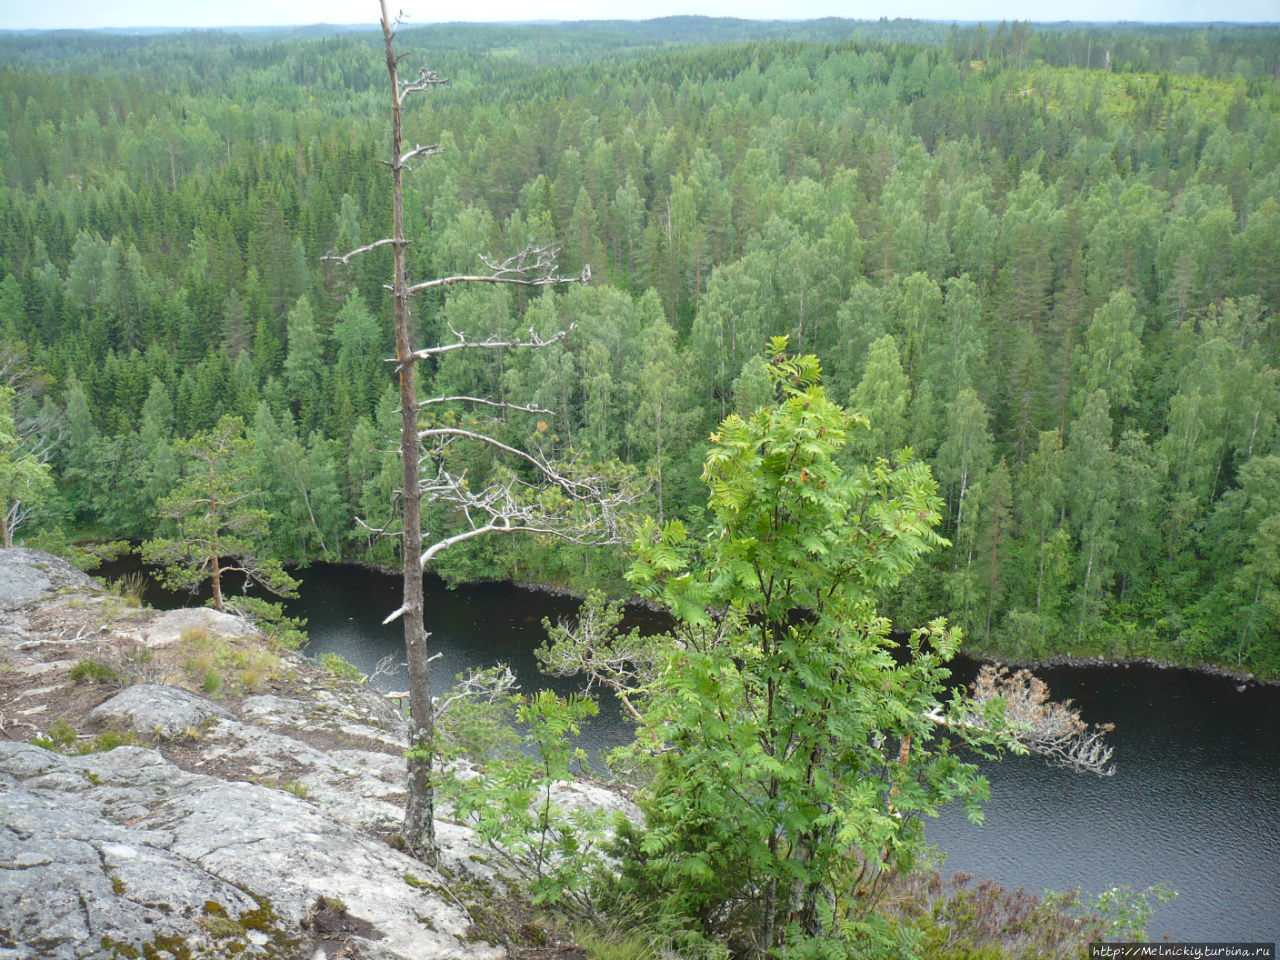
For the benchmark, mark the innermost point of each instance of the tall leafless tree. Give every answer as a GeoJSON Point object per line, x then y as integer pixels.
{"type": "Point", "coordinates": [587, 506]}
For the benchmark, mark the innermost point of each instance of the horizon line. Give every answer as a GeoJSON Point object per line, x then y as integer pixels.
{"type": "Point", "coordinates": [365, 25]}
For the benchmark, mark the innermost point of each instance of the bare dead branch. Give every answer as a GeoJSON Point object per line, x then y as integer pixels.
{"type": "Point", "coordinates": [345, 259]}
{"type": "Point", "coordinates": [586, 486]}
{"type": "Point", "coordinates": [1048, 728]}
{"type": "Point", "coordinates": [379, 532]}
{"type": "Point", "coordinates": [418, 151]}
{"type": "Point", "coordinates": [385, 667]}
{"type": "Point", "coordinates": [39, 432]}
{"type": "Point", "coordinates": [5, 723]}
{"type": "Point", "coordinates": [592, 645]}
{"type": "Point", "coordinates": [17, 515]}
{"type": "Point", "coordinates": [534, 259]}
{"type": "Point", "coordinates": [488, 685]}
{"type": "Point", "coordinates": [530, 408]}
{"type": "Point", "coordinates": [505, 505]}
{"type": "Point", "coordinates": [462, 343]}
{"type": "Point", "coordinates": [439, 432]}
{"type": "Point", "coordinates": [587, 507]}
{"type": "Point", "coordinates": [425, 81]}
{"type": "Point", "coordinates": [534, 266]}
{"type": "Point", "coordinates": [489, 278]}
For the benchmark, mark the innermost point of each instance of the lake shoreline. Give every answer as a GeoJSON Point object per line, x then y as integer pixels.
{"type": "Point", "coordinates": [1067, 660]}
{"type": "Point", "coordinates": [1043, 663]}
{"type": "Point", "coordinates": [981, 656]}
{"type": "Point", "coordinates": [1197, 760]}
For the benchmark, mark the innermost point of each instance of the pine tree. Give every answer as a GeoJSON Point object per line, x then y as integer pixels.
{"type": "Point", "coordinates": [219, 527]}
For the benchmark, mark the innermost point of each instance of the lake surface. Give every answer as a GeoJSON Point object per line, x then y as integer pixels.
{"type": "Point", "coordinates": [1194, 803]}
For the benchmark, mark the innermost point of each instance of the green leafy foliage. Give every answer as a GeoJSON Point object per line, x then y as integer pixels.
{"type": "Point", "coordinates": [61, 737]}
{"type": "Point", "coordinates": [279, 629]}
{"type": "Point", "coordinates": [792, 754]}
{"type": "Point", "coordinates": [340, 666]}
{"type": "Point", "coordinates": [515, 803]}
{"type": "Point", "coordinates": [25, 481]}
{"type": "Point", "coordinates": [1033, 214]}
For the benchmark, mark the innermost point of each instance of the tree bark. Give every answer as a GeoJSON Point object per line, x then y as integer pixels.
{"type": "Point", "coordinates": [419, 819]}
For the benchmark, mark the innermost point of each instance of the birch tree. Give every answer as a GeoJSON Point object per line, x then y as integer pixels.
{"type": "Point", "coordinates": [24, 478]}
{"type": "Point", "coordinates": [28, 435]}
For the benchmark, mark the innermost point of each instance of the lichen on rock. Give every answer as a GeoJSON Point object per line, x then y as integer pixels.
{"type": "Point", "coordinates": [160, 709]}
{"type": "Point", "coordinates": [220, 841]}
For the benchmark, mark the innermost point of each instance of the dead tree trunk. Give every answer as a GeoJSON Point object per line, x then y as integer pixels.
{"type": "Point", "coordinates": [419, 820]}
{"type": "Point", "coordinates": [589, 498]}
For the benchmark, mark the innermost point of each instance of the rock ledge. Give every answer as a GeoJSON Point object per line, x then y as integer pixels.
{"type": "Point", "coordinates": [251, 826]}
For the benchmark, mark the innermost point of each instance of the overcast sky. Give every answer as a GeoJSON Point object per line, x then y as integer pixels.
{"type": "Point", "coordinates": [88, 14]}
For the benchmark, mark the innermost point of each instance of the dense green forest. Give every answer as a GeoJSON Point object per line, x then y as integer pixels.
{"type": "Point", "coordinates": [1042, 258]}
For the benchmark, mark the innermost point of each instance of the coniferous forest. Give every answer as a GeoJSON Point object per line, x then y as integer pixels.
{"type": "Point", "coordinates": [1044, 260]}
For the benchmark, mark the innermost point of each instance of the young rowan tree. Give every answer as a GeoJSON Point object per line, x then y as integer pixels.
{"type": "Point", "coordinates": [793, 745]}
{"type": "Point", "coordinates": [530, 491]}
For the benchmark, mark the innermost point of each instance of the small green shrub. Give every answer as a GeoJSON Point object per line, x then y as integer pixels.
{"type": "Point", "coordinates": [219, 665]}
{"type": "Point", "coordinates": [199, 661]}
{"type": "Point", "coordinates": [58, 737]}
{"type": "Point", "coordinates": [340, 666]}
{"type": "Point", "coordinates": [95, 671]}
{"type": "Point", "coordinates": [252, 667]}
{"type": "Point", "coordinates": [1126, 912]}
{"type": "Point", "coordinates": [109, 740]}
{"type": "Point", "coordinates": [212, 682]}
{"type": "Point", "coordinates": [510, 804]}
{"type": "Point", "coordinates": [130, 588]}
{"type": "Point", "coordinates": [61, 737]}
{"type": "Point", "coordinates": [959, 920]}
{"type": "Point", "coordinates": [281, 632]}
{"type": "Point", "coordinates": [615, 943]}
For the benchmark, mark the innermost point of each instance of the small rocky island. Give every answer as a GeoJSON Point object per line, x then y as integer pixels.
{"type": "Point", "coordinates": [141, 815]}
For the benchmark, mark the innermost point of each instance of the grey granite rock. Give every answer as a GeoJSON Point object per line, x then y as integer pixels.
{"type": "Point", "coordinates": [27, 576]}
{"type": "Point", "coordinates": [349, 785]}
{"type": "Point", "coordinates": [273, 711]}
{"type": "Point", "coordinates": [126, 854]}
{"type": "Point", "coordinates": [348, 708]}
{"type": "Point", "coordinates": [152, 708]}
{"type": "Point", "coordinates": [112, 852]}
{"type": "Point", "coordinates": [168, 627]}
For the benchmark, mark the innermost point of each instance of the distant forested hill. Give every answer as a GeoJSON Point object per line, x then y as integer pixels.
{"type": "Point", "coordinates": [1044, 258]}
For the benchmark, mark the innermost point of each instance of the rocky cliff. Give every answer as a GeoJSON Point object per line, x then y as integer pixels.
{"type": "Point", "coordinates": [170, 788]}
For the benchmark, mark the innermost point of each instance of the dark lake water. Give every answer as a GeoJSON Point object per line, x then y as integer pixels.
{"type": "Point", "coordinates": [1194, 803]}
